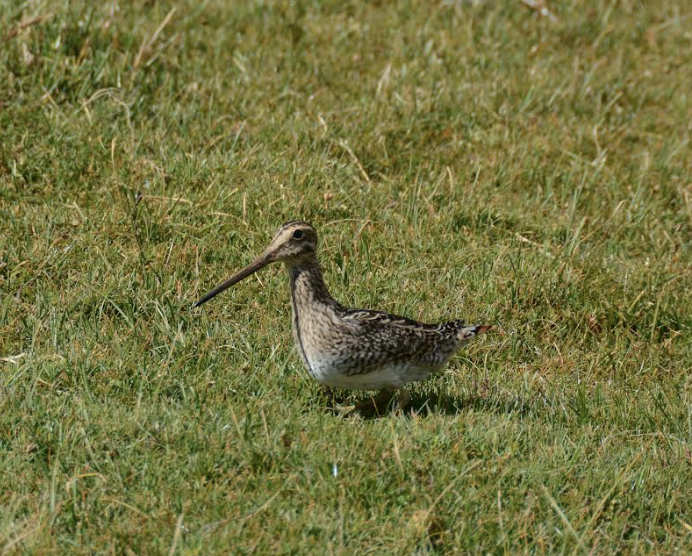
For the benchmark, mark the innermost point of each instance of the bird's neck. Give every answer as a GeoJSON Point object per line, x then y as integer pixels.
{"type": "Point", "coordinates": [307, 284]}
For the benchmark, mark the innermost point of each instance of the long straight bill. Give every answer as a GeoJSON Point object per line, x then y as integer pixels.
{"type": "Point", "coordinates": [251, 268]}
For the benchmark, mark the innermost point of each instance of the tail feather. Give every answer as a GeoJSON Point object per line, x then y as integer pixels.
{"type": "Point", "coordinates": [469, 332]}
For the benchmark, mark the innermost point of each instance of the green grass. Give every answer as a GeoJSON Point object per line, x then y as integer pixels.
{"type": "Point", "coordinates": [460, 159]}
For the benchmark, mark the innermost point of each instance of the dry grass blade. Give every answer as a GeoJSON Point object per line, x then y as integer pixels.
{"type": "Point", "coordinates": [25, 23]}
{"type": "Point", "coordinates": [149, 43]}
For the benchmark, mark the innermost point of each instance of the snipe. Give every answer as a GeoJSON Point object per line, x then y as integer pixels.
{"type": "Point", "coordinates": [355, 349]}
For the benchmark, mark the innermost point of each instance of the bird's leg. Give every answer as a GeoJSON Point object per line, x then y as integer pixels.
{"type": "Point", "coordinates": [378, 404]}
{"type": "Point", "coordinates": [404, 399]}
{"type": "Point", "coordinates": [381, 402]}
{"type": "Point", "coordinates": [383, 399]}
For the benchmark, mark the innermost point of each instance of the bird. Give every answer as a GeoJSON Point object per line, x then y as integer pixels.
{"type": "Point", "coordinates": [353, 349]}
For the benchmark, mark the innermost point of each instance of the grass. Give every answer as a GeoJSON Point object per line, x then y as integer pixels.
{"type": "Point", "coordinates": [460, 159]}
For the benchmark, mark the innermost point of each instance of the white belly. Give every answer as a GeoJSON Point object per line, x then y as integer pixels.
{"type": "Point", "coordinates": [388, 376]}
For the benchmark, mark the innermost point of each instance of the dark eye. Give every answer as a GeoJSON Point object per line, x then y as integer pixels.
{"type": "Point", "coordinates": [298, 234]}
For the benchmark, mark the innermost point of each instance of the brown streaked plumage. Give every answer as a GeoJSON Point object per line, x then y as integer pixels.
{"type": "Point", "coordinates": [355, 349]}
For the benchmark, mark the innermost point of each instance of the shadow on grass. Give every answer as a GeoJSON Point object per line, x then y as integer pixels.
{"type": "Point", "coordinates": [439, 403]}
{"type": "Point", "coordinates": [435, 403]}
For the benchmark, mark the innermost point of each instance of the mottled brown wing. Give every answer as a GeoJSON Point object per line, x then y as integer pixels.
{"type": "Point", "coordinates": [389, 339]}
{"type": "Point", "coordinates": [445, 329]}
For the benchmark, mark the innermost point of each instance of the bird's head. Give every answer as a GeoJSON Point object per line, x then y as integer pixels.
{"type": "Point", "coordinates": [294, 242]}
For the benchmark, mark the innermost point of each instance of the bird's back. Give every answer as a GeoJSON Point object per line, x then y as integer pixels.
{"type": "Point", "coordinates": [376, 338]}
